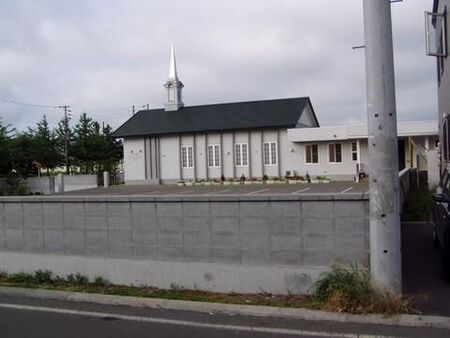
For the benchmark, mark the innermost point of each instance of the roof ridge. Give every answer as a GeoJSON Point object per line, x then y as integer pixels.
{"type": "Point", "coordinates": [230, 103]}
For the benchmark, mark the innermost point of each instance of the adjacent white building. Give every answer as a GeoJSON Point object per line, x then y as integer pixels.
{"type": "Point", "coordinates": [271, 138]}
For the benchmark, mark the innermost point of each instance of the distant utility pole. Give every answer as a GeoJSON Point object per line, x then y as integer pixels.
{"type": "Point", "coordinates": [385, 252]}
{"type": "Point", "coordinates": [66, 136]}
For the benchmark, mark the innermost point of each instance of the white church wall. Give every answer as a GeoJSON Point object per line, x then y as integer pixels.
{"type": "Point", "coordinates": [213, 172]}
{"type": "Point", "coordinates": [271, 170]}
{"type": "Point", "coordinates": [187, 141]}
{"type": "Point", "coordinates": [255, 153]}
{"type": "Point", "coordinates": [343, 170]}
{"type": "Point", "coordinates": [169, 158]}
{"type": "Point", "coordinates": [200, 156]}
{"type": "Point", "coordinates": [283, 152]}
{"type": "Point", "coordinates": [241, 137]}
{"type": "Point", "coordinates": [134, 159]}
{"type": "Point", "coordinates": [227, 154]}
{"type": "Point", "coordinates": [307, 117]}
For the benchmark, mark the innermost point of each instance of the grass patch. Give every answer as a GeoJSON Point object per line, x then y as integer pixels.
{"type": "Point", "coordinates": [339, 291]}
{"type": "Point", "coordinates": [350, 290]}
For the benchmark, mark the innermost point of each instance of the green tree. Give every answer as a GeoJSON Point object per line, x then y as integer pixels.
{"type": "Point", "coordinates": [22, 155]}
{"type": "Point", "coordinates": [94, 150]}
{"type": "Point", "coordinates": [45, 152]}
{"type": "Point", "coordinates": [5, 154]}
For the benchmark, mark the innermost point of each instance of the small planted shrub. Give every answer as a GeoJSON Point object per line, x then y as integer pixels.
{"type": "Point", "coordinates": [100, 281]}
{"type": "Point", "coordinates": [20, 277]}
{"type": "Point", "coordinates": [43, 277]}
{"type": "Point", "coordinates": [77, 279]}
{"type": "Point", "coordinates": [350, 290]}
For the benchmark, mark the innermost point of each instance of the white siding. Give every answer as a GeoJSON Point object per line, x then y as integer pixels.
{"type": "Point", "coordinates": [134, 159]}
{"type": "Point", "coordinates": [200, 156]}
{"type": "Point", "coordinates": [227, 152]}
{"type": "Point", "coordinates": [239, 138]}
{"type": "Point", "coordinates": [271, 170]}
{"type": "Point", "coordinates": [255, 154]}
{"type": "Point", "coordinates": [170, 158]}
{"type": "Point", "coordinates": [188, 141]}
{"type": "Point", "coordinates": [213, 173]}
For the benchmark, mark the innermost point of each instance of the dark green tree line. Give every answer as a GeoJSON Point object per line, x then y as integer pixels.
{"type": "Point", "coordinates": [89, 147]}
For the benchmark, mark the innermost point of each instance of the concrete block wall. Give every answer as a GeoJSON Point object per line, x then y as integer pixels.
{"type": "Point", "coordinates": [289, 239]}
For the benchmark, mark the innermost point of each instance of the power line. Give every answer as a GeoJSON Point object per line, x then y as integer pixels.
{"type": "Point", "coordinates": [116, 111]}
{"type": "Point", "coordinates": [27, 104]}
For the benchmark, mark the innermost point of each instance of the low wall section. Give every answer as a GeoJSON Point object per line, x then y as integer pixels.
{"type": "Point", "coordinates": [277, 244]}
{"type": "Point", "coordinates": [49, 184]}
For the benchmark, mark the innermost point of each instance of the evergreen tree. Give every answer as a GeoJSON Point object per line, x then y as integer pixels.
{"type": "Point", "coordinates": [5, 155]}
{"type": "Point", "coordinates": [46, 152]}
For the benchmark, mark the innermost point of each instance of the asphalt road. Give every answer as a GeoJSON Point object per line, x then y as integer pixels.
{"type": "Point", "coordinates": [37, 318]}
{"type": "Point", "coordinates": [422, 270]}
{"type": "Point", "coordinates": [335, 187]}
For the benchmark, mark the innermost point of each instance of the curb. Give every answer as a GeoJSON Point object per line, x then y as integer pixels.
{"type": "Point", "coordinates": [231, 309]}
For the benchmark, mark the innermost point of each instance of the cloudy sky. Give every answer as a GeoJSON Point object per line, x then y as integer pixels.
{"type": "Point", "coordinates": [103, 56]}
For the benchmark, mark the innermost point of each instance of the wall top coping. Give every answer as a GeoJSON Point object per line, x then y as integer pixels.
{"type": "Point", "coordinates": [188, 198]}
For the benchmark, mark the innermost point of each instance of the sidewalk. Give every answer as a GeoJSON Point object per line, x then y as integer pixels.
{"type": "Point", "coordinates": [422, 272]}
{"type": "Point", "coordinates": [437, 322]}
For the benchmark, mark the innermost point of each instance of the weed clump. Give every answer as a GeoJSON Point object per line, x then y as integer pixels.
{"type": "Point", "coordinates": [350, 290]}
{"type": "Point", "coordinates": [77, 279]}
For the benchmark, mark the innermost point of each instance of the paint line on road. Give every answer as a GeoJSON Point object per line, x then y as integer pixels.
{"type": "Point", "coordinates": [148, 193]}
{"type": "Point", "coordinates": [178, 193]}
{"type": "Point", "coordinates": [217, 192]}
{"type": "Point", "coordinates": [300, 191]}
{"type": "Point", "coordinates": [256, 192]}
{"type": "Point", "coordinates": [258, 329]}
{"type": "Point", "coordinates": [346, 190]}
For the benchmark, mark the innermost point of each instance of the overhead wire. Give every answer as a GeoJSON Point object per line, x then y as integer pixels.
{"type": "Point", "coordinates": [110, 112]}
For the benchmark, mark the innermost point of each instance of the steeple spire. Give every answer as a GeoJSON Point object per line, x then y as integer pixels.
{"type": "Point", "coordinates": [173, 85]}
{"type": "Point", "coordinates": [173, 65]}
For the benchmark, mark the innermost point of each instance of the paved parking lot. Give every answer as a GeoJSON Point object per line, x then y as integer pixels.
{"type": "Point", "coordinates": [223, 190]}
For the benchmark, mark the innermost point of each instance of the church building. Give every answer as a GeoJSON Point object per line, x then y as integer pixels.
{"type": "Point", "coordinates": [210, 141]}
{"type": "Point", "coordinates": [271, 138]}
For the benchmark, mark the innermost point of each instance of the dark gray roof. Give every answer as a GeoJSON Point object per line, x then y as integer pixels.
{"type": "Point", "coordinates": [282, 113]}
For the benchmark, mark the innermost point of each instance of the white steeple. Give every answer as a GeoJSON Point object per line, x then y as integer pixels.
{"type": "Point", "coordinates": [173, 85]}
{"type": "Point", "coordinates": [173, 66]}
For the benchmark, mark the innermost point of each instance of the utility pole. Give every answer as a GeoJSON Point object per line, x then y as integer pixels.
{"type": "Point", "coordinates": [66, 136]}
{"type": "Point", "coordinates": [385, 248]}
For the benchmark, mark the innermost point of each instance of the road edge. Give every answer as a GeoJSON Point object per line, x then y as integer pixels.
{"type": "Point", "coordinates": [231, 309]}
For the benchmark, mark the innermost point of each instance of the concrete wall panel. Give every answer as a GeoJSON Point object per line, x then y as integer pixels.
{"type": "Point", "coordinates": [281, 235]}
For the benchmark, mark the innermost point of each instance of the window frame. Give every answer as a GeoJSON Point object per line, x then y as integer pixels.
{"type": "Point", "coordinates": [271, 159]}
{"type": "Point", "coordinates": [187, 157]}
{"type": "Point", "coordinates": [240, 155]}
{"type": "Point", "coordinates": [311, 145]}
{"type": "Point", "coordinates": [215, 158]}
{"type": "Point", "coordinates": [335, 153]}
{"type": "Point", "coordinates": [354, 152]}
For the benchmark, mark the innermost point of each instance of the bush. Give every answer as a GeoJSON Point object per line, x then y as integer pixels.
{"type": "Point", "coordinates": [20, 277]}
{"type": "Point", "coordinates": [100, 281]}
{"type": "Point", "coordinates": [419, 205]}
{"type": "Point", "coordinates": [43, 277]}
{"type": "Point", "coordinates": [350, 290]}
{"type": "Point", "coordinates": [77, 279]}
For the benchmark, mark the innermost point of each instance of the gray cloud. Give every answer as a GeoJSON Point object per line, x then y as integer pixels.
{"type": "Point", "coordinates": [104, 56]}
